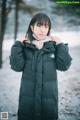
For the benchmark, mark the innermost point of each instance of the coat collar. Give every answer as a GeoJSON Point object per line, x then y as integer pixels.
{"type": "Point", "coordinates": [48, 46]}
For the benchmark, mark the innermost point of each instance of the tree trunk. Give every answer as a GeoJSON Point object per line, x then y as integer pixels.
{"type": "Point", "coordinates": [2, 27]}
{"type": "Point", "coordinates": [16, 18]}
{"type": "Point", "coordinates": [0, 54]}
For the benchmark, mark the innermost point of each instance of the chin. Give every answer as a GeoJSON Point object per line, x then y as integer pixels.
{"type": "Point", "coordinates": [42, 38]}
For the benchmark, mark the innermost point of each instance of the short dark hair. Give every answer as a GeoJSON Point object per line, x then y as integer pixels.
{"type": "Point", "coordinates": [40, 18]}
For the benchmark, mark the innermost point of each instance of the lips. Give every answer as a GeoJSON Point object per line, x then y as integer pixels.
{"type": "Point", "coordinates": [41, 34]}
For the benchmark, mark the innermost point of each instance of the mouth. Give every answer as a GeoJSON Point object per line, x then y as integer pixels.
{"type": "Point", "coordinates": [41, 35]}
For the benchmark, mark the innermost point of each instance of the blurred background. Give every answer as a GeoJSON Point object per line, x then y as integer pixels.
{"type": "Point", "coordinates": [15, 16]}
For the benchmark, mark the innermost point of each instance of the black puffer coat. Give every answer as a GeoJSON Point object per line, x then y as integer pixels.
{"type": "Point", "coordinates": [38, 98]}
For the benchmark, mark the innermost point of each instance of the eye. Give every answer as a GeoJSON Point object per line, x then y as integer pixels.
{"type": "Point", "coordinates": [46, 26]}
{"type": "Point", "coordinates": [38, 25]}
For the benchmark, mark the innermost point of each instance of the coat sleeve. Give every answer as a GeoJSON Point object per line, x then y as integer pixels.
{"type": "Point", "coordinates": [17, 58]}
{"type": "Point", "coordinates": [63, 58]}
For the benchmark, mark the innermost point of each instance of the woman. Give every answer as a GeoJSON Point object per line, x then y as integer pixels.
{"type": "Point", "coordinates": [38, 56]}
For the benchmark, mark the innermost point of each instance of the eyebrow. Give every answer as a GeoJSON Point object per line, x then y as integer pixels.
{"type": "Point", "coordinates": [43, 23]}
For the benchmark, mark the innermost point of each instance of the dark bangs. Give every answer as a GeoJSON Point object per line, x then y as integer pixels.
{"type": "Point", "coordinates": [43, 21]}
{"type": "Point", "coordinates": [40, 19]}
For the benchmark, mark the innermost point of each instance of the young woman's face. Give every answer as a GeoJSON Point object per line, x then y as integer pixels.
{"type": "Point", "coordinates": [40, 31]}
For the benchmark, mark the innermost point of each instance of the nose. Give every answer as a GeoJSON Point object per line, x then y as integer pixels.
{"type": "Point", "coordinates": [42, 29]}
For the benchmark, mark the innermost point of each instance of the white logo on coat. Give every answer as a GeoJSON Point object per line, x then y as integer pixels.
{"type": "Point", "coordinates": [52, 56]}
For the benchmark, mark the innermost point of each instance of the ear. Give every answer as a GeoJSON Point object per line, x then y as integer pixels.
{"type": "Point", "coordinates": [32, 28]}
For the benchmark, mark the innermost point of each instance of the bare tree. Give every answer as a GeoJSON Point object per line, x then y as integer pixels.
{"type": "Point", "coordinates": [16, 18]}
{"type": "Point", "coordinates": [5, 9]}
{"type": "Point", "coordinates": [2, 26]}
